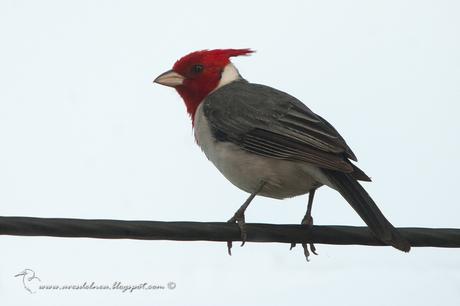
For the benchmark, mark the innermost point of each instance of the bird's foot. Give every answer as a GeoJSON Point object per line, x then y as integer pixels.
{"type": "Point", "coordinates": [239, 219]}
{"type": "Point", "coordinates": [307, 221]}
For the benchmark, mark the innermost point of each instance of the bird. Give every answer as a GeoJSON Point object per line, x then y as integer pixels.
{"type": "Point", "coordinates": [267, 142]}
{"type": "Point", "coordinates": [28, 277]}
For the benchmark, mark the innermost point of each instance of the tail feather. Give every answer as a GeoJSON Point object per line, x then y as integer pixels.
{"type": "Point", "coordinates": [363, 204]}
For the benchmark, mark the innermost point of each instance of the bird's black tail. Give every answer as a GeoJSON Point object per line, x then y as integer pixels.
{"type": "Point", "coordinates": [360, 200]}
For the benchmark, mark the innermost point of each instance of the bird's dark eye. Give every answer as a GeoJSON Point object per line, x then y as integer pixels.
{"type": "Point", "coordinates": [197, 68]}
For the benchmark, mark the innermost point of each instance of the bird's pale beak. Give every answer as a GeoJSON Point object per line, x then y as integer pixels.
{"type": "Point", "coordinates": [169, 78]}
{"type": "Point", "coordinates": [22, 273]}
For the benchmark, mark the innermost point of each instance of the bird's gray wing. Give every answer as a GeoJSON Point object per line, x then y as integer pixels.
{"type": "Point", "coordinates": [271, 123]}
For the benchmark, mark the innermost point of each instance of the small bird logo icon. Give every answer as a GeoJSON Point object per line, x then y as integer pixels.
{"type": "Point", "coordinates": [29, 280]}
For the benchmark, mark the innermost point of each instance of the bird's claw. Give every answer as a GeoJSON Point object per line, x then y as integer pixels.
{"type": "Point", "coordinates": [306, 252]}
{"type": "Point", "coordinates": [229, 247]}
{"type": "Point", "coordinates": [308, 221]}
{"type": "Point", "coordinates": [313, 249]}
{"type": "Point", "coordinates": [239, 219]}
{"type": "Point", "coordinates": [305, 249]}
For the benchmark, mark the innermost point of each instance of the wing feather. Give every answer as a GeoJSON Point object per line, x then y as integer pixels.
{"type": "Point", "coordinates": [271, 123]}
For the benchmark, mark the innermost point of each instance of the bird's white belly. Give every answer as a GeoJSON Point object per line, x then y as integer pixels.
{"type": "Point", "coordinates": [246, 170]}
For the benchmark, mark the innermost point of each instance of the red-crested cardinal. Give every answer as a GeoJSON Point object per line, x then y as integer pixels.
{"type": "Point", "coordinates": [267, 142]}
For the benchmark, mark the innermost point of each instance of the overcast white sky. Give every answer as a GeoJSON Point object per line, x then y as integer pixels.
{"type": "Point", "coordinates": [85, 134]}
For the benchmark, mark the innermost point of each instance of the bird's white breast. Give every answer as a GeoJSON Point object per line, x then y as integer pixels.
{"type": "Point", "coordinates": [246, 170]}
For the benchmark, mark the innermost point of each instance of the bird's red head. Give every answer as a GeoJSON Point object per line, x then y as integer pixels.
{"type": "Point", "coordinates": [197, 74]}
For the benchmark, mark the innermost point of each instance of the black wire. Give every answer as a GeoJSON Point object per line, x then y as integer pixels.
{"type": "Point", "coordinates": [218, 231]}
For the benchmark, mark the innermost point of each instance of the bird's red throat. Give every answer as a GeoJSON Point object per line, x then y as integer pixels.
{"type": "Point", "coordinates": [193, 99]}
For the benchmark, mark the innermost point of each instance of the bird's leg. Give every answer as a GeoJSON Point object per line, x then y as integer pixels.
{"type": "Point", "coordinates": [308, 221]}
{"type": "Point", "coordinates": [239, 219]}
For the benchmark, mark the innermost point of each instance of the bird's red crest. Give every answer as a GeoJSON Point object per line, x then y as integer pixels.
{"type": "Point", "coordinates": [217, 56]}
